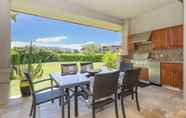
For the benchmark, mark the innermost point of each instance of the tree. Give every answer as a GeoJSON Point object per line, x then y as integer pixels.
{"type": "Point", "coordinates": [110, 60]}
{"type": "Point", "coordinates": [91, 48]}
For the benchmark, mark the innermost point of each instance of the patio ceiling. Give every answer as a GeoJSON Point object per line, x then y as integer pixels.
{"type": "Point", "coordinates": [98, 13]}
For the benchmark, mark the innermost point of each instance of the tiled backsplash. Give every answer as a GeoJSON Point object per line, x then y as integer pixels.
{"type": "Point", "coordinates": [167, 55]}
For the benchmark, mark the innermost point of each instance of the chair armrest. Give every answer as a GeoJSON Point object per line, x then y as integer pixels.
{"type": "Point", "coordinates": [46, 88]}
{"type": "Point", "coordinates": [43, 80]}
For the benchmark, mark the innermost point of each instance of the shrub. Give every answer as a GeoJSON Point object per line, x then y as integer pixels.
{"type": "Point", "coordinates": [110, 60]}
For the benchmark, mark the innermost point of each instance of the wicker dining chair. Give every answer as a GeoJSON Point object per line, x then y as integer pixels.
{"type": "Point", "coordinates": [125, 66]}
{"type": "Point", "coordinates": [104, 91]}
{"type": "Point", "coordinates": [130, 87]}
{"type": "Point", "coordinates": [44, 95]}
{"type": "Point", "coordinates": [84, 67]}
{"type": "Point", "coordinates": [69, 69]}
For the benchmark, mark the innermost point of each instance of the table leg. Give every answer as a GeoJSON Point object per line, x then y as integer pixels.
{"type": "Point", "coordinates": [76, 101]}
{"type": "Point", "coordinates": [62, 106]}
{"type": "Point", "coordinates": [51, 82]}
{"type": "Point", "coordinates": [68, 104]}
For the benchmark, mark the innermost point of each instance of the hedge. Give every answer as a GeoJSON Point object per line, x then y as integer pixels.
{"type": "Point", "coordinates": [64, 57]}
{"type": "Point", "coordinates": [81, 57]}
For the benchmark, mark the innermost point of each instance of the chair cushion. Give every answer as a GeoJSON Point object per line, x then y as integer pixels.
{"type": "Point", "coordinates": [48, 95]}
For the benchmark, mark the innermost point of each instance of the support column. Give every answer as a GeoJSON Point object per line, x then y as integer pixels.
{"type": "Point", "coordinates": [4, 50]}
{"type": "Point", "coordinates": [124, 42]}
{"type": "Point", "coordinates": [184, 53]}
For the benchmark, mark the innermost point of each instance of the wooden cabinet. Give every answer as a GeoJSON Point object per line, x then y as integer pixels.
{"type": "Point", "coordinates": [130, 46]}
{"type": "Point", "coordinates": [176, 37]}
{"type": "Point", "coordinates": [156, 39]}
{"type": "Point", "coordinates": [144, 74]}
{"type": "Point", "coordinates": [160, 39]}
{"type": "Point", "coordinates": [172, 75]}
{"type": "Point", "coordinates": [168, 38]}
{"type": "Point", "coordinates": [165, 74]}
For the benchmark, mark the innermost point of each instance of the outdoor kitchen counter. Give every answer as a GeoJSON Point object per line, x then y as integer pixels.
{"type": "Point", "coordinates": [166, 61]}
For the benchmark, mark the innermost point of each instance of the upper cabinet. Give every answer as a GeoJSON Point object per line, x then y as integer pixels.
{"type": "Point", "coordinates": [130, 45]}
{"type": "Point", "coordinates": [168, 38]}
{"type": "Point", "coordinates": [160, 39]}
{"type": "Point", "coordinates": [176, 37]}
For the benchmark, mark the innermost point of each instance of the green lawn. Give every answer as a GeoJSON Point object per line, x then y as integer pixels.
{"type": "Point", "coordinates": [47, 67]}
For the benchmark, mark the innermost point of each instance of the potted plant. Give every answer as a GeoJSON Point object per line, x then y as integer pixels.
{"type": "Point", "coordinates": [20, 63]}
{"type": "Point", "coordinates": [17, 68]}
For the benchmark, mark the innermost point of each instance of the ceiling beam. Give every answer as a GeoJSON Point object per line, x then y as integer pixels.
{"type": "Point", "coordinates": [77, 9]}
{"type": "Point", "coordinates": [68, 14]}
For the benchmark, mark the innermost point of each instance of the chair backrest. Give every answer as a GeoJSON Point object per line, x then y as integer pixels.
{"type": "Point", "coordinates": [29, 79]}
{"type": "Point", "coordinates": [105, 84]}
{"type": "Point", "coordinates": [69, 69]}
{"type": "Point", "coordinates": [125, 66]}
{"type": "Point", "coordinates": [131, 78]}
{"type": "Point", "coordinates": [84, 67]}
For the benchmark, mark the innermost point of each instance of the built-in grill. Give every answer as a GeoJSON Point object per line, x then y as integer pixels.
{"type": "Point", "coordinates": [142, 56]}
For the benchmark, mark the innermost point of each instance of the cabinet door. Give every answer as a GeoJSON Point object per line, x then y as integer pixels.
{"type": "Point", "coordinates": [172, 75]}
{"type": "Point", "coordinates": [176, 37]}
{"type": "Point", "coordinates": [165, 74]}
{"type": "Point", "coordinates": [144, 74]}
{"type": "Point", "coordinates": [180, 36]}
{"type": "Point", "coordinates": [178, 76]}
{"type": "Point", "coordinates": [156, 39]}
{"type": "Point", "coordinates": [160, 39]}
{"type": "Point", "coordinates": [164, 38]}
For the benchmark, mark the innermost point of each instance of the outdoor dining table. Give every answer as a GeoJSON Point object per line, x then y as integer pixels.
{"type": "Point", "coordinates": [70, 81]}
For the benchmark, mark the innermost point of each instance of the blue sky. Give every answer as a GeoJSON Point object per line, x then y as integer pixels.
{"type": "Point", "coordinates": [46, 31]}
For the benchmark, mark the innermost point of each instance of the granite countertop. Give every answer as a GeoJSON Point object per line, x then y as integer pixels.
{"type": "Point", "coordinates": [166, 61]}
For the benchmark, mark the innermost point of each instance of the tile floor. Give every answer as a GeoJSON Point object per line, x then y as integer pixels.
{"type": "Point", "coordinates": [155, 102]}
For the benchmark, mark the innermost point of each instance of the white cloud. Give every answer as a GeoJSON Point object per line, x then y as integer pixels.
{"type": "Point", "coordinates": [49, 45]}
{"type": "Point", "coordinates": [90, 42]}
{"type": "Point", "coordinates": [113, 43]}
{"type": "Point", "coordinates": [19, 44]}
{"type": "Point", "coordinates": [51, 40]}
{"type": "Point", "coordinates": [67, 46]}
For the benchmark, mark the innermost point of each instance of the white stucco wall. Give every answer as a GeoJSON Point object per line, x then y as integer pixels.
{"type": "Point", "coordinates": [165, 16]}
{"type": "Point", "coordinates": [4, 50]}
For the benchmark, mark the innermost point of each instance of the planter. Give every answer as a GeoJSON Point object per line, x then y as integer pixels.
{"type": "Point", "coordinates": [25, 88]}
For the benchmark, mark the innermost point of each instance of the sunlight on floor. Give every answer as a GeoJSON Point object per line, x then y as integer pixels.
{"type": "Point", "coordinates": [155, 102]}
